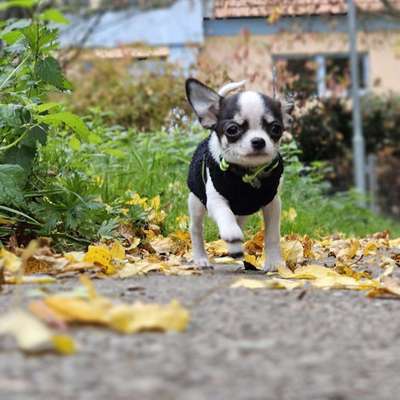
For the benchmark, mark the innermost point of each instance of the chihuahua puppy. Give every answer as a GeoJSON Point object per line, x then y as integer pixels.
{"type": "Point", "coordinates": [237, 170]}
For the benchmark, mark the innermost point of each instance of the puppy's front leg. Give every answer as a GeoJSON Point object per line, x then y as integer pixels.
{"type": "Point", "coordinates": [197, 212]}
{"type": "Point", "coordinates": [229, 229]}
{"type": "Point", "coordinates": [272, 236]}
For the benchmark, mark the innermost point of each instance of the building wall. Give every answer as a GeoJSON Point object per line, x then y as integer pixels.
{"type": "Point", "coordinates": [250, 56]}
{"type": "Point", "coordinates": [178, 28]}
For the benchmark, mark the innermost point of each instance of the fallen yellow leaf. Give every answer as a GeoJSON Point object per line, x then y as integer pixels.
{"type": "Point", "coordinates": [30, 279]}
{"type": "Point", "coordinates": [273, 283]}
{"type": "Point", "coordinates": [79, 310]}
{"type": "Point", "coordinates": [148, 317]}
{"type": "Point", "coordinates": [326, 278]}
{"type": "Point", "coordinates": [126, 318]}
{"type": "Point", "coordinates": [117, 251]}
{"type": "Point", "coordinates": [64, 344]}
{"type": "Point", "coordinates": [388, 287]}
{"type": "Point", "coordinates": [370, 248]}
{"type": "Point", "coordinates": [98, 255]}
{"type": "Point", "coordinates": [33, 335]}
{"type": "Point", "coordinates": [9, 261]}
{"type": "Point", "coordinates": [350, 251]}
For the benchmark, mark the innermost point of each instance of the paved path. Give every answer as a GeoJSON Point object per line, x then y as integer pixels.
{"type": "Point", "coordinates": [241, 344]}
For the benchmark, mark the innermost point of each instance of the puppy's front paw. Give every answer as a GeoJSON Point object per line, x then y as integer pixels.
{"type": "Point", "coordinates": [235, 249]}
{"type": "Point", "coordinates": [273, 262]}
{"type": "Point", "coordinates": [202, 262]}
{"type": "Point", "coordinates": [231, 233]}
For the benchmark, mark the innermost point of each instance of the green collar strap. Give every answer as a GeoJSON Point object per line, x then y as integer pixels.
{"type": "Point", "coordinates": [252, 176]}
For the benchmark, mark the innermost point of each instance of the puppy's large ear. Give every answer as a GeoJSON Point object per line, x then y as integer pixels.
{"type": "Point", "coordinates": [204, 101]}
{"type": "Point", "coordinates": [287, 105]}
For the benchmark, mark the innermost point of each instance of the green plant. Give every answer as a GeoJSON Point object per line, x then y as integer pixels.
{"type": "Point", "coordinates": [28, 73]}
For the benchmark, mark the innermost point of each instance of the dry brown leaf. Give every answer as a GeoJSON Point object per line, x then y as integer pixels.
{"type": "Point", "coordinates": [350, 251]}
{"type": "Point", "coordinates": [255, 245]}
{"type": "Point", "coordinates": [217, 248]}
{"type": "Point", "coordinates": [390, 287]}
{"type": "Point", "coordinates": [162, 245]}
{"type": "Point", "coordinates": [292, 252]}
{"type": "Point", "coordinates": [308, 247]}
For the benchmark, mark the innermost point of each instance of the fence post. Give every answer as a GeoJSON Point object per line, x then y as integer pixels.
{"type": "Point", "coordinates": [358, 138]}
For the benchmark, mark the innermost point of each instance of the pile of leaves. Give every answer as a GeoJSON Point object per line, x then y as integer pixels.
{"type": "Point", "coordinates": [369, 264]}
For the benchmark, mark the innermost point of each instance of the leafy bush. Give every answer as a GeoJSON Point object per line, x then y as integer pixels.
{"type": "Point", "coordinates": [34, 200]}
{"type": "Point", "coordinates": [141, 100]}
{"type": "Point", "coordinates": [323, 130]}
{"type": "Point", "coordinates": [28, 73]}
{"type": "Point", "coordinates": [324, 127]}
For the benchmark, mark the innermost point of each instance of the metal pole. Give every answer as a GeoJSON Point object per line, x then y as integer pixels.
{"type": "Point", "coordinates": [358, 138]}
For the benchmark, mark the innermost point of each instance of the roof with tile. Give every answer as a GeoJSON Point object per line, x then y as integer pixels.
{"type": "Point", "coordinates": [263, 8]}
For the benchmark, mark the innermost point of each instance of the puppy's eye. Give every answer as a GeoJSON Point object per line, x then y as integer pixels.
{"type": "Point", "coordinates": [232, 129]}
{"type": "Point", "coordinates": [275, 131]}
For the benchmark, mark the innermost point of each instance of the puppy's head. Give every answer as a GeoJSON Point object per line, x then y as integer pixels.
{"type": "Point", "coordinates": [248, 125]}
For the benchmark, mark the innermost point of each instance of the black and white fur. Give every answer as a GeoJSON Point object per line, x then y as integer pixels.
{"type": "Point", "coordinates": [246, 130]}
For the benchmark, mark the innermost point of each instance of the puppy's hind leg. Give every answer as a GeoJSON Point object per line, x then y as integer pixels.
{"type": "Point", "coordinates": [196, 213]}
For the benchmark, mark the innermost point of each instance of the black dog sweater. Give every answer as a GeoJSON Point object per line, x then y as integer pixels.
{"type": "Point", "coordinates": [243, 198]}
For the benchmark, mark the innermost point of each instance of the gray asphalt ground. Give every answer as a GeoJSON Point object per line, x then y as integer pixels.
{"type": "Point", "coordinates": [241, 344]}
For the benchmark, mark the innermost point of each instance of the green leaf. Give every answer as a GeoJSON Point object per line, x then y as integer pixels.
{"type": "Point", "coordinates": [20, 213]}
{"type": "Point", "coordinates": [74, 143]}
{"type": "Point", "coordinates": [37, 134]}
{"type": "Point", "coordinates": [12, 181]}
{"type": "Point", "coordinates": [31, 36]}
{"type": "Point", "coordinates": [13, 115]}
{"type": "Point", "coordinates": [46, 106]}
{"type": "Point", "coordinates": [25, 152]}
{"type": "Point", "coordinates": [18, 3]}
{"type": "Point", "coordinates": [38, 36]}
{"type": "Point", "coordinates": [54, 15]}
{"type": "Point", "coordinates": [69, 119]}
{"type": "Point", "coordinates": [115, 153]}
{"type": "Point", "coordinates": [95, 139]}
{"type": "Point", "coordinates": [11, 37]}
{"type": "Point", "coordinates": [48, 70]}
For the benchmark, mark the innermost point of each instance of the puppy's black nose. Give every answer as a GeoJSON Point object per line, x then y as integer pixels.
{"type": "Point", "coordinates": [258, 143]}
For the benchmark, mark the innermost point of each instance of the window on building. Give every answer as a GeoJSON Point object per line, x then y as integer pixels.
{"type": "Point", "coordinates": [323, 74]}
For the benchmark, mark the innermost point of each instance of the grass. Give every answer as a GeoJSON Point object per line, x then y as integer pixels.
{"type": "Point", "coordinates": [157, 163]}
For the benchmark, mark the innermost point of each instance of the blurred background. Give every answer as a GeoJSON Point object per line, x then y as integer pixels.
{"type": "Point", "coordinates": [127, 61]}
